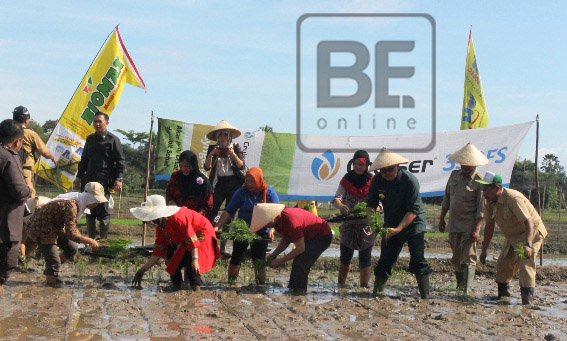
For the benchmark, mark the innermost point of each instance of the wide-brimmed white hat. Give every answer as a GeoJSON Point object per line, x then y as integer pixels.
{"type": "Point", "coordinates": [387, 158]}
{"type": "Point", "coordinates": [153, 208]}
{"type": "Point", "coordinates": [263, 214]}
{"type": "Point", "coordinates": [469, 155]}
{"type": "Point", "coordinates": [223, 125]}
{"type": "Point", "coordinates": [96, 190]}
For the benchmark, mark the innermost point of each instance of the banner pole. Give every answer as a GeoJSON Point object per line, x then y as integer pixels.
{"type": "Point", "coordinates": [147, 188]}
{"type": "Point", "coordinates": [537, 185]}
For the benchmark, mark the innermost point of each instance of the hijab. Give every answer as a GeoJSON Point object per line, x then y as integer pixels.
{"type": "Point", "coordinates": [83, 200]}
{"type": "Point", "coordinates": [196, 184]}
{"type": "Point", "coordinates": [355, 184]}
{"type": "Point", "coordinates": [258, 176]}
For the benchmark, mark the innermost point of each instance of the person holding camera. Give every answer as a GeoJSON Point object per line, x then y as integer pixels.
{"type": "Point", "coordinates": [225, 161]}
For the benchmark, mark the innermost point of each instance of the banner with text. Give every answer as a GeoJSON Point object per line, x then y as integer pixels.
{"type": "Point", "coordinates": [296, 175]}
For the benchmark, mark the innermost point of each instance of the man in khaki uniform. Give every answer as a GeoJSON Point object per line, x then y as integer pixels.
{"type": "Point", "coordinates": [32, 143]}
{"type": "Point", "coordinates": [521, 225]}
{"type": "Point", "coordinates": [463, 197]}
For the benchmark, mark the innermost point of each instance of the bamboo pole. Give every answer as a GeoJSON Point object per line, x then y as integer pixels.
{"type": "Point", "coordinates": [147, 188]}
{"type": "Point", "coordinates": [537, 185]}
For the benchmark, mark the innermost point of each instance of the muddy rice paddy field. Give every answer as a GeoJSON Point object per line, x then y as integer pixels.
{"type": "Point", "coordinates": [97, 302]}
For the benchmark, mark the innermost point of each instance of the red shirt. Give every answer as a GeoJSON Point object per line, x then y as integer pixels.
{"type": "Point", "coordinates": [297, 223]}
{"type": "Point", "coordinates": [173, 192]}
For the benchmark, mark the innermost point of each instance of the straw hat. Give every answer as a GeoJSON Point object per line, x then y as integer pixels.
{"type": "Point", "coordinates": [153, 208]}
{"type": "Point", "coordinates": [263, 214]}
{"type": "Point", "coordinates": [223, 125]}
{"type": "Point", "coordinates": [387, 158]}
{"type": "Point", "coordinates": [96, 190]}
{"type": "Point", "coordinates": [469, 155]}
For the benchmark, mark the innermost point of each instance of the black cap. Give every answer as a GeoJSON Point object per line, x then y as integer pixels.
{"type": "Point", "coordinates": [20, 111]}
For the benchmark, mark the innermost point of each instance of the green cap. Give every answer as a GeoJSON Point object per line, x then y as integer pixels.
{"type": "Point", "coordinates": [491, 179]}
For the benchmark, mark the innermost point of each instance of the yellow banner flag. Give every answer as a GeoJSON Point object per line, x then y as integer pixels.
{"type": "Point", "coordinates": [474, 108]}
{"type": "Point", "coordinates": [100, 90]}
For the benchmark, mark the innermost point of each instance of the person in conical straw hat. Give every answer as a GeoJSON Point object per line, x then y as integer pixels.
{"type": "Point", "coordinates": [225, 161]}
{"type": "Point", "coordinates": [404, 217]}
{"type": "Point", "coordinates": [310, 234]}
{"type": "Point", "coordinates": [184, 237]}
{"type": "Point", "coordinates": [463, 197]}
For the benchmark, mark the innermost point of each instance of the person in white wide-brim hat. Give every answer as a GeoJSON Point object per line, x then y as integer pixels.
{"type": "Point", "coordinates": [53, 226]}
{"type": "Point", "coordinates": [463, 197]}
{"type": "Point", "coordinates": [310, 234]}
{"type": "Point", "coordinates": [398, 191]}
{"type": "Point", "coordinates": [225, 161]}
{"type": "Point", "coordinates": [184, 237]}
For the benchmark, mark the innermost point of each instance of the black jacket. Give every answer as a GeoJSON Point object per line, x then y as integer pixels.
{"type": "Point", "coordinates": [13, 194]}
{"type": "Point", "coordinates": [236, 170]}
{"type": "Point", "coordinates": [102, 160]}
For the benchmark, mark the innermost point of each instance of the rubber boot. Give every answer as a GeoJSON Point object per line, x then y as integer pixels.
{"type": "Point", "coordinates": [423, 285]}
{"type": "Point", "coordinates": [503, 290]}
{"type": "Point", "coordinates": [364, 277]}
{"type": "Point", "coordinates": [469, 279]}
{"type": "Point", "coordinates": [527, 295]}
{"type": "Point", "coordinates": [91, 227]}
{"type": "Point", "coordinates": [379, 285]}
{"type": "Point", "coordinates": [460, 279]}
{"type": "Point", "coordinates": [233, 271]}
{"type": "Point", "coordinates": [52, 280]}
{"type": "Point", "coordinates": [104, 227]}
{"type": "Point", "coordinates": [343, 274]}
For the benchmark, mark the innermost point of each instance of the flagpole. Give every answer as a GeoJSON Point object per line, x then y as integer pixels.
{"type": "Point", "coordinates": [147, 189]}
{"type": "Point", "coordinates": [537, 185]}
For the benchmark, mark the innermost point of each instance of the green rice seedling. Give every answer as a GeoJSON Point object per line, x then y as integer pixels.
{"type": "Point", "coordinates": [81, 267]}
{"type": "Point", "coordinates": [377, 225]}
{"type": "Point", "coordinates": [239, 232]}
{"type": "Point", "coordinates": [259, 266]}
{"type": "Point", "coordinates": [126, 270]}
{"type": "Point", "coordinates": [359, 210]}
{"type": "Point", "coordinates": [159, 274]}
{"type": "Point", "coordinates": [26, 264]}
{"type": "Point", "coordinates": [115, 247]}
{"type": "Point", "coordinates": [520, 251]}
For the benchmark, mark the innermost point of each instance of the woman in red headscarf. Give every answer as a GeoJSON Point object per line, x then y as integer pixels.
{"type": "Point", "coordinates": [255, 190]}
{"type": "Point", "coordinates": [356, 235]}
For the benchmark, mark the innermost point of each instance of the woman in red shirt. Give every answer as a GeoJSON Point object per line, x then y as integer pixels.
{"type": "Point", "coordinates": [310, 234]}
{"type": "Point", "coordinates": [189, 187]}
{"type": "Point", "coordinates": [191, 234]}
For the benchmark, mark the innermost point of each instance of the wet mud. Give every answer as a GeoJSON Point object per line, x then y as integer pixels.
{"type": "Point", "coordinates": [97, 302]}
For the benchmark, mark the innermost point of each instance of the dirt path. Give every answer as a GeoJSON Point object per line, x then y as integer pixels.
{"type": "Point", "coordinates": [87, 307]}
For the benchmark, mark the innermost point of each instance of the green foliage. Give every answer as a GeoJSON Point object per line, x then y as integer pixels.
{"type": "Point", "coordinates": [49, 126]}
{"type": "Point", "coordinates": [115, 247]}
{"type": "Point", "coordinates": [239, 232]}
{"type": "Point", "coordinates": [520, 251]}
{"type": "Point", "coordinates": [377, 225]}
{"type": "Point", "coordinates": [308, 208]}
{"type": "Point", "coordinates": [359, 210]}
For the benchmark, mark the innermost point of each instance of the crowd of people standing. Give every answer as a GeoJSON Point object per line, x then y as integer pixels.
{"type": "Point", "coordinates": [187, 219]}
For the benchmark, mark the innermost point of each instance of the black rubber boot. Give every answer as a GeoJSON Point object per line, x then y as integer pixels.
{"type": "Point", "coordinates": [423, 285]}
{"type": "Point", "coordinates": [503, 290]}
{"type": "Point", "coordinates": [379, 285]}
{"type": "Point", "coordinates": [527, 295]}
{"type": "Point", "coordinates": [91, 227]}
{"type": "Point", "coordinates": [104, 227]}
{"type": "Point", "coordinates": [460, 279]}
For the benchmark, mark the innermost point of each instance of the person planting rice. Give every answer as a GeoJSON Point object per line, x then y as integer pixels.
{"type": "Point", "coordinates": [54, 226]}
{"type": "Point", "coordinates": [398, 191]}
{"type": "Point", "coordinates": [255, 190]}
{"type": "Point", "coordinates": [353, 190]}
{"type": "Point", "coordinates": [310, 234]}
{"type": "Point", "coordinates": [520, 224]}
{"type": "Point", "coordinates": [184, 237]}
{"type": "Point", "coordinates": [463, 197]}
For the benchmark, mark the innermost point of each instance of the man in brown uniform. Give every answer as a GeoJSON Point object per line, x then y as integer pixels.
{"type": "Point", "coordinates": [32, 143]}
{"type": "Point", "coordinates": [521, 225]}
{"type": "Point", "coordinates": [14, 193]}
{"type": "Point", "coordinates": [463, 197]}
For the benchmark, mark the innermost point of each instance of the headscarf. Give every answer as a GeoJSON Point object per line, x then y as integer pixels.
{"type": "Point", "coordinates": [258, 176]}
{"type": "Point", "coordinates": [83, 200]}
{"type": "Point", "coordinates": [355, 184]}
{"type": "Point", "coordinates": [220, 132]}
{"type": "Point", "coordinates": [196, 184]}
